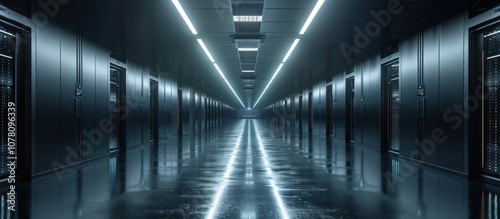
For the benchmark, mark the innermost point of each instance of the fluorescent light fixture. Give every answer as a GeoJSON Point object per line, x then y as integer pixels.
{"type": "Point", "coordinates": [247, 18]}
{"type": "Point", "coordinates": [203, 46]}
{"type": "Point", "coordinates": [291, 49]}
{"type": "Point", "coordinates": [270, 82]}
{"type": "Point", "coordinates": [248, 49]}
{"type": "Point", "coordinates": [278, 70]}
{"type": "Point", "coordinates": [311, 16]}
{"type": "Point", "coordinates": [227, 82]}
{"type": "Point", "coordinates": [206, 50]}
{"type": "Point", "coordinates": [248, 71]}
{"type": "Point", "coordinates": [184, 16]}
{"type": "Point", "coordinates": [218, 70]}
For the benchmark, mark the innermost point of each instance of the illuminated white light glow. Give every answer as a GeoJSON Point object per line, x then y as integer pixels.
{"type": "Point", "coordinates": [269, 84]}
{"type": "Point", "coordinates": [227, 174]}
{"type": "Point", "coordinates": [291, 49]}
{"type": "Point", "coordinates": [276, 189]}
{"type": "Point", "coordinates": [278, 70]}
{"type": "Point", "coordinates": [248, 49]}
{"type": "Point", "coordinates": [218, 70]}
{"type": "Point", "coordinates": [203, 46]}
{"type": "Point", "coordinates": [247, 18]}
{"type": "Point", "coordinates": [313, 14]}
{"type": "Point", "coordinates": [184, 16]}
{"type": "Point", "coordinates": [206, 50]}
{"type": "Point", "coordinates": [7, 33]}
{"type": "Point", "coordinates": [234, 92]}
{"type": "Point", "coordinates": [5, 56]}
{"type": "Point", "coordinates": [248, 71]}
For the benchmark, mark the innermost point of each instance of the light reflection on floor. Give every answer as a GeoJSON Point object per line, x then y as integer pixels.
{"type": "Point", "coordinates": [244, 170]}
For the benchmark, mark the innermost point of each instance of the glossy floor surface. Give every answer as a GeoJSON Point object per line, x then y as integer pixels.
{"type": "Point", "coordinates": [245, 170]}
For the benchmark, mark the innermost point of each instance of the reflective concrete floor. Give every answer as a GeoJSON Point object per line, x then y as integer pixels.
{"type": "Point", "coordinates": [243, 170]}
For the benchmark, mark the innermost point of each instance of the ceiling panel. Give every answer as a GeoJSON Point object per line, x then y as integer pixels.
{"type": "Point", "coordinates": [155, 30]}
{"type": "Point", "coordinates": [290, 4]}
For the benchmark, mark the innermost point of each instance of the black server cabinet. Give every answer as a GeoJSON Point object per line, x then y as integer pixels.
{"type": "Point", "coordinates": [117, 108]}
{"type": "Point", "coordinates": [7, 78]}
{"type": "Point", "coordinates": [15, 79]}
{"type": "Point", "coordinates": [301, 113]}
{"type": "Point", "coordinates": [310, 112]}
{"type": "Point", "coordinates": [329, 110]}
{"type": "Point", "coordinates": [114, 107]}
{"type": "Point", "coordinates": [485, 88]}
{"type": "Point", "coordinates": [350, 110]}
{"type": "Point", "coordinates": [491, 59]}
{"type": "Point", "coordinates": [153, 115]}
{"type": "Point", "coordinates": [391, 107]}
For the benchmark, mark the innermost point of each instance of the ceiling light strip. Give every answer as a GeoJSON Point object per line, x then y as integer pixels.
{"type": "Point", "coordinates": [278, 70]}
{"type": "Point", "coordinates": [218, 70]}
{"type": "Point", "coordinates": [311, 16]}
{"type": "Point", "coordinates": [291, 50]}
{"type": "Point", "coordinates": [206, 50]}
{"type": "Point", "coordinates": [270, 82]}
{"type": "Point", "coordinates": [183, 14]}
{"type": "Point", "coordinates": [308, 22]}
{"type": "Point", "coordinates": [234, 92]}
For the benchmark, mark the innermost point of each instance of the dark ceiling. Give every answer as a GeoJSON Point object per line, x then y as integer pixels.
{"type": "Point", "coordinates": [155, 30]}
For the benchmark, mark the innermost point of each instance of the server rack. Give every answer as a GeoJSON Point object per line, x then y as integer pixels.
{"type": "Point", "coordinates": [491, 59]}
{"type": "Point", "coordinates": [484, 86]}
{"type": "Point", "coordinates": [15, 80]}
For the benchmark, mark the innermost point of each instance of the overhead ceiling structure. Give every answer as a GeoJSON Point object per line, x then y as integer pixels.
{"type": "Point", "coordinates": [303, 30]}
{"type": "Point", "coordinates": [248, 16]}
{"type": "Point", "coordinates": [203, 46]}
{"type": "Point", "coordinates": [241, 46]}
{"type": "Point", "coordinates": [248, 40]}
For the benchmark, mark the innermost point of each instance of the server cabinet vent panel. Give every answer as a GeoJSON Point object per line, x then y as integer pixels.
{"type": "Point", "coordinates": [395, 114]}
{"type": "Point", "coordinates": [114, 105]}
{"type": "Point", "coordinates": [492, 59]}
{"type": "Point", "coordinates": [392, 105]}
{"type": "Point", "coordinates": [7, 79]}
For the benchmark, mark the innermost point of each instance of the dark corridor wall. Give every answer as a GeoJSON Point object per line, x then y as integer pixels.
{"type": "Point", "coordinates": [66, 54]}
{"type": "Point", "coordinates": [434, 53]}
